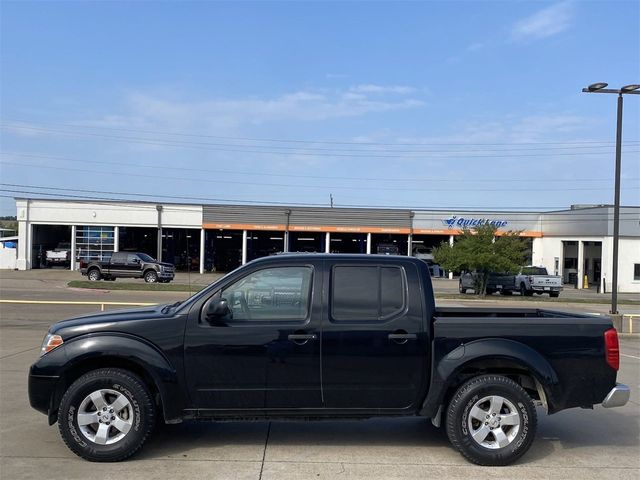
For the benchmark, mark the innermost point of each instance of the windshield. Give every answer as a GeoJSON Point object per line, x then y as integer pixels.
{"type": "Point", "coordinates": [534, 271]}
{"type": "Point", "coordinates": [146, 258]}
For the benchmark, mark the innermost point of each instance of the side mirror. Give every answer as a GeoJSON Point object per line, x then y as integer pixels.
{"type": "Point", "coordinates": [218, 310]}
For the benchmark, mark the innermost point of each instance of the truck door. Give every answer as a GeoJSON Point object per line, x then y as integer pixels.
{"type": "Point", "coordinates": [133, 266]}
{"type": "Point", "coordinates": [265, 353]}
{"type": "Point", "coordinates": [118, 264]}
{"type": "Point", "coordinates": [374, 347]}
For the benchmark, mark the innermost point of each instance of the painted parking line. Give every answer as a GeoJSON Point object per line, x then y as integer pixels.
{"type": "Point", "coordinates": [630, 356]}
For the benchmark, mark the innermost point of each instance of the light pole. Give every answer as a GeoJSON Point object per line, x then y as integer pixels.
{"type": "Point", "coordinates": [600, 87]}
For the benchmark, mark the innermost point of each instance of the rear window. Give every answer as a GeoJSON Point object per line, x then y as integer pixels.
{"type": "Point", "coordinates": [534, 271]}
{"type": "Point", "coordinates": [371, 293]}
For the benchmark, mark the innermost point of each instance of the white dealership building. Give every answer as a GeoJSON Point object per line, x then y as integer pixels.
{"type": "Point", "coordinates": [574, 243]}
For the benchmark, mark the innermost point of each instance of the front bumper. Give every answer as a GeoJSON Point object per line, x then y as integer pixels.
{"type": "Point", "coordinates": [41, 389]}
{"type": "Point", "coordinates": [166, 275]}
{"type": "Point", "coordinates": [546, 289]}
{"type": "Point", "coordinates": [617, 397]}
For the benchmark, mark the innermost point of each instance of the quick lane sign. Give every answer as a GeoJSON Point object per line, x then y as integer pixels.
{"type": "Point", "coordinates": [462, 222]}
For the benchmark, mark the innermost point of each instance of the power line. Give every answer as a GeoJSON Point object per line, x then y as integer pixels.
{"type": "Point", "coordinates": [325, 177]}
{"type": "Point", "coordinates": [324, 187]}
{"type": "Point", "coordinates": [326, 142]}
{"type": "Point", "coordinates": [572, 213]}
{"type": "Point", "coordinates": [207, 146]}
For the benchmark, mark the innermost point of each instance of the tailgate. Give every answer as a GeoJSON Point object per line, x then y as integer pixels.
{"type": "Point", "coordinates": [546, 281]}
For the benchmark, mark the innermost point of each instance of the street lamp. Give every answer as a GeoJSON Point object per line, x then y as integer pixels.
{"type": "Point", "coordinates": [632, 89]}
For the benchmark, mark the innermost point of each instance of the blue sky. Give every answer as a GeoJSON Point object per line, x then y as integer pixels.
{"type": "Point", "coordinates": [422, 104]}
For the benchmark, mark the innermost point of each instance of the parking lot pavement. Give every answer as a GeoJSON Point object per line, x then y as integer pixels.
{"type": "Point", "coordinates": [571, 444]}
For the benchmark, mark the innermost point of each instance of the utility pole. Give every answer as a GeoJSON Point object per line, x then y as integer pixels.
{"type": "Point", "coordinates": [600, 87]}
{"type": "Point", "coordinates": [331, 199]}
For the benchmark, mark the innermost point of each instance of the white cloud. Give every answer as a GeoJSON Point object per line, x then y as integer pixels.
{"type": "Point", "coordinates": [513, 130]}
{"type": "Point", "coordinates": [383, 89]}
{"type": "Point", "coordinates": [475, 46]}
{"type": "Point", "coordinates": [544, 23]}
{"type": "Point", "coordinates": [144, 109]}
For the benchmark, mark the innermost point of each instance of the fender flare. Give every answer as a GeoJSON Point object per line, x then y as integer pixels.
{"type": "Point", "coordinates": [490, 349]}
{"type": "Point", "coordinates": [134, 350]}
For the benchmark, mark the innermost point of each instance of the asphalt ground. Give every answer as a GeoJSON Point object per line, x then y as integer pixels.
{"type": "Point", "coordinates": [585, 444]}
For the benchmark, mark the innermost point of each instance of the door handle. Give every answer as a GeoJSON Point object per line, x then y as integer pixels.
{"type": "Point", "coordinates": [301, 338]}
{"type": "Point", "coordinates": [401, 337]}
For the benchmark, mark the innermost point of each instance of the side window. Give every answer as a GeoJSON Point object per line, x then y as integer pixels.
{"type": "Point", "coordinates": [118, 257]}
{"type": "Point", "coordinates": [131, 257]}
{"type": "Point", "coordinates": [272, 294]}
{"type": "Point", "coordinates": [371, 293]}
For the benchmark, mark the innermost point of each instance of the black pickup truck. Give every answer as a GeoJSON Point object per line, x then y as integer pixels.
{"type": "Point", "coordinates": [128, 265]}
{"type": "Point", "coordinates": [311, 336]}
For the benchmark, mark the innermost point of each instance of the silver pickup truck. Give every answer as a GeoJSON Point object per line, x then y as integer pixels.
{"type": "Point", "coordinates": [537, 280]}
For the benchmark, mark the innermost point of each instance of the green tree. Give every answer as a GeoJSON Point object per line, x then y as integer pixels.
{"type": "Point", "coordinates": [480, 250]}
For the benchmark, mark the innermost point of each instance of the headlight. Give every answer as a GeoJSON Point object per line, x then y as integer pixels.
{"type": "Point", "coordinates": [50, 342]}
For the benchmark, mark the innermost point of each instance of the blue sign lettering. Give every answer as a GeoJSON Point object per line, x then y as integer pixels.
{"type": "Point", "coordinates": [461, 222]}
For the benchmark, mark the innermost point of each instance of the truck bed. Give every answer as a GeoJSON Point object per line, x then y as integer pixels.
{"type": "Point", "coordinates": [569, 345]}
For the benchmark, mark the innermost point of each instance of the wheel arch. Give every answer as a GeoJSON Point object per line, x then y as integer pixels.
{"type": "Point", "coordinates": [512, 359]}
{"type": "Point", "coordinates": [116, 351]}
{"type": "Point", "coordinates": [149, 269]}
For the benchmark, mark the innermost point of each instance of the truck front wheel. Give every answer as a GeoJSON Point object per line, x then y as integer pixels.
{"type": "Point", "coordinates": [491, 420]}
{"type": "Point", "coordinates": [106, 415]}
{"type": "Point", "coordinates": [151, 276]}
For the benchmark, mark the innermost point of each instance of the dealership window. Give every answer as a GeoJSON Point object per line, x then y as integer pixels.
{"type": "Point", "coordinates": [367, 293]}
{"type": "Point", "coordinates": [94, 243]}
{"type": "Point", "coordinates": [636, 271]}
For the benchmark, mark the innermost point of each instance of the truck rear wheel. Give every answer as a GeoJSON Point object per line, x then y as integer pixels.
{"type": "Point", "coordinates": [94, 275]}
{"type": "Point", "coordinates": [461, 289]}
{"type": "Point", "coordinates": [524, 292]}
{"type": "Point", "coordinates": [491, 420]}
{"type": "Point", "coordinates": [106, 415]}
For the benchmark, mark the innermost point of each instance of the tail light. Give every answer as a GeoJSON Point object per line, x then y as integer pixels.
{"type": "Point", "coordinates": [612, 350]}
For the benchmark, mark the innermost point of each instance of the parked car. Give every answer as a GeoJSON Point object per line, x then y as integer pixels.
{"type": "Point", "coordinates": [128, 265]}
{"type": "Point", "coordinates": [536, 280]}
{"type": "Point", "coordinates": [497, 282]}
{"type": "Point", "coordinates": [322, 336]}
{"type": "Point", "coordinates": [61, 255]}
{"type": "Point", "coordinates": [387, 249]}
{"type": "Point", "coordinates": [424, 254]}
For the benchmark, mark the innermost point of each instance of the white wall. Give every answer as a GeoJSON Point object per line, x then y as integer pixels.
{"type": "Point", "coordinates": [124, 214]}
{"type": "Point", "coordinates": [8, 257]}
{"type": "Point", "coordinates": [111, 214]}
{"type": "Point", "coordinates": [628, 253]}
{"type": "Point", "coordinates": [545, 249]}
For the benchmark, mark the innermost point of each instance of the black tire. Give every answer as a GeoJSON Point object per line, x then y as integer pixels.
{"type": "Point", "coordinates": [460, 425]}
{"type": "Point", "coordinates": [524, 292]}
{"type": "Point", "coordinates": [554, 294]}
{"type": "Point", "coordinates": [94, 275]}
{"type": "Point", "coordinates": [506, 292]}
{"type": "Point", "coordinates": [150, 276]}
{"type": "Point", "coordinates": [461, 289]}
{"type": "Point", "coordinates": [141, 408]}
